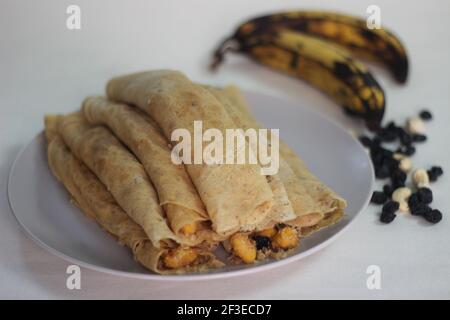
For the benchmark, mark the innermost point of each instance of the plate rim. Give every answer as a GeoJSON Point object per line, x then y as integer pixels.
{"type": "Point", "coordinates": [204, 276]}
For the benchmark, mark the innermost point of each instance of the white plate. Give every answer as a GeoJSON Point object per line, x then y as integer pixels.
{"type": "Point", "coordinates": [41, 205]}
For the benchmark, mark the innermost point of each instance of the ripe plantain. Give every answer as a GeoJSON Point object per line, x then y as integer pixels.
{"type": "Point", "coordinates": [321, 64]}
{"type": "Point", "coordinates": [347, 31]}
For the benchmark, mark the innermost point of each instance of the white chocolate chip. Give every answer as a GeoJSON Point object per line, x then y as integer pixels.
{"type": "Point", "coordinates": [405, 164]}
{"type": "Point", "coordinates": [415, 125]}
{"type": "Point", "coordinates": [401, 196]}
{"type": "Point", "coordinates": [420, 178]}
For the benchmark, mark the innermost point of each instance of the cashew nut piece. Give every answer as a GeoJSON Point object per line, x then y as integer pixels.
{"type": "Point", "coordinates": [405, 164]}
{"type": "Point", "coordinates": [398, 156]}
{"type": "Point", "coordinates": [415, 125]}
{"type": "Point", "coordinates": [420, 178]}
{"type": "Point", "coordinates": [401, 196]}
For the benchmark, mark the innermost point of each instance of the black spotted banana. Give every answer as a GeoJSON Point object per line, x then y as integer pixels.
{"type": "Point", "coordinates": [347, 31]}
{"type": "Point", "coordinates": [321, 64]}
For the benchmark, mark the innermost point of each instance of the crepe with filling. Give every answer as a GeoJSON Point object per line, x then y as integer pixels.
{"type": "Point", "coordinates": [121, 173]}
{"type": "Point", "coordinates": [91, 196]}
{"type": "Point", "coordinates": [306, 209]}
{"type": "Point", "coordinates": [177, 195]}
{"type": "Point", "coordinates": [236, 196]}
{"type": "Point", "coordinates": [310, 195]}
{"type": "Point", "coordinates": [287, 190]}
{"type": "Point", "coordinates": [282, 209]}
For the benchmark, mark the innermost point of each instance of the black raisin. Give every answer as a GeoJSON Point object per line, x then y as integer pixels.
{"type": "Point", "coordinates": [413, 200]}
{"type": "Point", "coordinates": [403, 134]}
{"type": "Point", "coordinates": [391, 163]}
{"type": "Point", "coordinates": [433, 216]}
{"type": "Point", "coordinates": [390, 207]}
{"type": "Point", "coordinates": [437, 170]}
{"type": "Point", "coordinates": [378, 197]}
{"type": "Point", "coordinates": [432, 175]}
{"type": "Point", "coordinates": [397, 184]}
{"type": "Point", "coordinates": [399, 131]}
{"type": "Point", "coordinates": [405, 139]}
{"type": "Point", "coordinates": [261, 242]}
{"type": "Point", "coordinates": [407, 150]}
{"type": "Point", "coordinates": [425, 195]}
{"type": "Point", "coordinates": [398, 180]}
{"type": "Point", "coordinates": [398, 175]}
{"type": "Point", "coordinates": [376, 142]}
{"type": "Point", "coordinates": [365, 141]}
{"type": "Point", "coordinates": [386, 153]}
{"type": "Point", "coordinates": [387, 189]}
{"type": "Point", "coordinates": [419, 209]}
{"type": "Point", "coordinates": [425, 115]}
{"type": "Point", "coordinates": [410, 150]}
{"type": "Point", "coordinates": [419, 137]}
{"type": "Point", "coordinates": [377, 159]}
{"type": "Point", "coordinates": [387, 217]}
{"type": "Point", "coordinates": [387, 136]}
{"type": "Point", "coordinates": [391, 126]}
{"type": "Point", "coordinates": [382, 172]}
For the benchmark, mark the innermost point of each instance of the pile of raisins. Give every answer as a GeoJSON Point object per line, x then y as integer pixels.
{"type": "Point", "coordinates": [386, 164]}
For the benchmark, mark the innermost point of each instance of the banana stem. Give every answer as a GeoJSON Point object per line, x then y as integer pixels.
{"type": "Point", "coordinates": [229, 44]}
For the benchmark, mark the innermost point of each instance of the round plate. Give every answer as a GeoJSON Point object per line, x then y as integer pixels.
{"type": "Point", "coordinates": [41, 204]}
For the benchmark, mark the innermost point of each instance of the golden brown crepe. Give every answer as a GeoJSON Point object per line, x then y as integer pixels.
{"type": "Point", "coordinates": [120, 172]}
{"type": "Point", "coordinates": [306, 210]}
{"type": "Point", "coordinates": [91, 196]}
{"type": "Point", "coordinates": [114, 158]}
{"type": "Point", "coordinates": [282, 209]}
{"type": "Point", "coordinates": [237, 197]}
{"type": "Point", "coordinates": [177, 195]}
{"type": "Point", "coordinates": [309, 197]}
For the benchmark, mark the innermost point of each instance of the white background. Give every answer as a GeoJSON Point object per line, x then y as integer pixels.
{"type": "Point", "coordinates": [46, 68]}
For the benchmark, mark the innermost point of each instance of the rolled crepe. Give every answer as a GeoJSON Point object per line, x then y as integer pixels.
{"type": "Point", "coordinates": [237, 197]}
{"type": "Point", "coordinates": [91, 196]}
{"type": "Point", "coordinates": [305, 208]}
{"type": "Point", "coordinates": [282, 209]}
{"type": "Point", "coordinates": [120, 172]}
{"type": "Point", "coordinates": [315, 204]}
{"type": "Point", "coordinates": [178, 196]}
{"type": "Point", "coordinates": [329, 203]}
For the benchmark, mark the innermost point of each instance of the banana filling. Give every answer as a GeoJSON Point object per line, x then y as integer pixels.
{"type": "Point", "coordinates": [250, 247]}
{"type": "Point", "coordinates": [180, 257]}
{"type": "Point", "coordinates": [189, 229]}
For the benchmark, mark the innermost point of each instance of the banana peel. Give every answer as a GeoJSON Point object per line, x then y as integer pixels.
{"type": "Point", "coordinates": [318, 47]}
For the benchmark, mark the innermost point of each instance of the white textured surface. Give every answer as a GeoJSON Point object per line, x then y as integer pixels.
{"type": "Point", "coordinates": [47, 68]}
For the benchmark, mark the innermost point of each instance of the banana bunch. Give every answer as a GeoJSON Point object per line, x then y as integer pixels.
{"type": "Point", "coordinates": [318, 47]}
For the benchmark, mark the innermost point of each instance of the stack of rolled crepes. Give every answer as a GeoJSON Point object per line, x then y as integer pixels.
{"type": "Point", "coordinates": [114, 158]}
